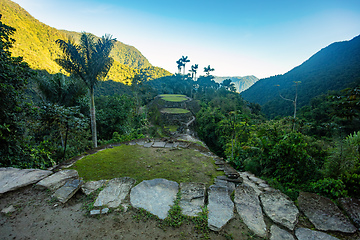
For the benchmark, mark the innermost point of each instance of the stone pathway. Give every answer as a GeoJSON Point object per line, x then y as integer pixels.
{"type": "Point", "coordinates": [253, 199]}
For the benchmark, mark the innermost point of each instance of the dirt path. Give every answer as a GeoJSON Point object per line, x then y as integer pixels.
{"type": "Point", "coordinates": [38, 217]}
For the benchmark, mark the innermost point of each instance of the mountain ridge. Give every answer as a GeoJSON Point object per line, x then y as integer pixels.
{"type": "Point", "coordinates": [241, 83]}
{"type": "Point", "coordinates": [334, 67]}
{"type": "Point", "coordinates": [35, 42]}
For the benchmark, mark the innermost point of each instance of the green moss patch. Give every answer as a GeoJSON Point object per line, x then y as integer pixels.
{"type": "Point", "coordinates": [173, 97]}
{"type": "Point", "coordinates": [172, 128]}
{"type": "Point", "coordinates": [180, 165]}
{"type": "Point", "coordinates": [175, 110]}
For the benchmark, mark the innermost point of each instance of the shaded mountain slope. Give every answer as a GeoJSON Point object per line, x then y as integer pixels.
{"type": "Point", "coordinates": [333, 68]}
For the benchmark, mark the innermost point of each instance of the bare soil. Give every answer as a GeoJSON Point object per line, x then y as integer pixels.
{"type": "Point", "coordinates": [37, 216]}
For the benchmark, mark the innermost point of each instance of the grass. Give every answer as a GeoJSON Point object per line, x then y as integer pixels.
{"type": "Point", "coordinates": [173, 97]}
{"type": "Point", "coordinates": [175, 110]}
{"type": "Point", "coordinates": [171, 128]}
{"type": "Point", "coordinates": [180, 165]}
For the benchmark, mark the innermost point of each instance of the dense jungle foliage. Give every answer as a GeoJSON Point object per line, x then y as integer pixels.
{"type": "Point", "coordinates": [45, 120]}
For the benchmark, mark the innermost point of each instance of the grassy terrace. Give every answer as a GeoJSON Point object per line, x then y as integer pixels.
{"type": "Point", "coordinates": [173, 97]}
{"type": "Point", "coordinates": [174, 110]}
{"type": "Point", "coordinates": [180, 165]}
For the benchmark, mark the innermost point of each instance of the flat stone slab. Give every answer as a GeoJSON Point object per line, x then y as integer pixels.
{"type": "Point", "coordinates": [115, 192]}
{"type": "Point", "coordinates": [280, 234]}
{"type": "Point", "coordinates": [352, 208]}
{"type": "Point", "coordinates": [324, 214]}
{"type": "Point", "coordinates": [155, 196]}
{"type": "Point", "coordinates": [248, 206]}
{"type": "Point", "coordinates": [192, 198]}
{"type": "Point", "coordinates": [169, 145]}
{"type": "Point", "coordinates": [14, 178]}
{"type": "Point", "coordinates": [223, 183]}
{"type": "Point", "coordinates": [279, 208]}
{"type": "Point", "coordinates": [91, 186]}
{"type": "Point", "coordinates": [64, 193]}
{"type": "Point", "coordinates": [220, 207]}
{"type": "Point", "coordinates": [307, 234]}
{"type": "Point", "coordinates": [55, 181]}
{"type": "Point", "coordinates": [159, 144]}
{"type": "Point", "coordinates": [148, 144]}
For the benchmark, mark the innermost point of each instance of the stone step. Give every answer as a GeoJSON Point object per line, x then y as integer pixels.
{"type": "Point", "coordinates": [280, 209]}
{"type": "Point", "coordinates": [64, 193]}
{"type": "Point", "coordinates": [155, 196]}
{"type": "Point", "coordinates": [248, 207]}
{"type": "Point", "coordinates": [115, 192]}
{"type": "Point", "coordinates": [57, 180]}
{"type": "Point", "coordinates": [192, 198]}
{"type": "Point", "coordinates": [220, 207]}
{"type": "Point", "coordinates": [324, 214]}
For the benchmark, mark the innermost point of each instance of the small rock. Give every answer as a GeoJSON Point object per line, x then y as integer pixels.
{"type": "Point", "coordinates": [324, 214]}
{"type": "Point", "coordinates": [95, 212]}
{"type": "Point", "coordinates": [280, 234]}
{"type": "Point", "coordinates": [307, 234]}
{"type": "Point", "coordinates": [105, 210]}
{"type": "Point", "coordinates": [8, 210]}
{"type": "Point", "coordinates": [279, 208]}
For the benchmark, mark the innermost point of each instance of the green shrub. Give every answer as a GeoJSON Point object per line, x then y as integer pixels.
{"type": "Point", "coordinates": [329, 187]}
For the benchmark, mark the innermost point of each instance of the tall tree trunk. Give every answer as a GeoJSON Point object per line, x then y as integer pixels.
{"type": "Point", "coordinates": [92, 117]}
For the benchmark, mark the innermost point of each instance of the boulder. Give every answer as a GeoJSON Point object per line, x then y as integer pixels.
{"type": "Point", "coordinates": [192, 198]}
{"type": "Point", "coordinates": [115, 192]}
{"type": "Point", "coordinates": [279, 208]}
{"type": "Point", "coordinates": [248, 206]}
{"type": "Point", "coordinates": [280, 234]}
{"type": "Point", "coordinates": [55, 181]}
{"type": "Point", "coordinates": [64, 193]}
{"type": "Point", "coordinates": [324, 214]}
{"type": "Point", "coordinates": [352, 208]}
{"type": "Point", "coordinates": [14, 178]}
{"type": "Point", "coordinates": [155, 196]}
{"type": "Point", "coordinates": [307, 234]}
{"type": "Point", "coordinates": [91, 186]}
{"type": "Point", "coordinates": [220, 207]}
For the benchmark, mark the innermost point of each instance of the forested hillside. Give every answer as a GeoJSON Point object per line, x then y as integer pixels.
{"type": "Point", "coordinates": [241, 83]}
{"type": "Point", "coordinates": [35, 42]}
{"type": "Point", "coordinates": [332, 68]}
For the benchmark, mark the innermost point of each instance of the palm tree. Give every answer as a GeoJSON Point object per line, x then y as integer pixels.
{"type": "Point", "coordinates": [184, 60]}
{"type": "Point", "coordinates": [88, 61]}
{"type": "Point", "coordinates": [179, 65]}
{"type": "Point", "coordinates": [208, 69]}
{"type": "Point", "coordinates": [193, 70]}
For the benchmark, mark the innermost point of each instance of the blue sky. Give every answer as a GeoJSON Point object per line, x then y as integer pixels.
{"type": "Point", "coordinates": [238, 38]}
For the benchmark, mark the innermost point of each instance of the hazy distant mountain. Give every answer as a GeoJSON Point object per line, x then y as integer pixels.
{"type": "Point", "coordinates": [335, 67]}
{"type": "Point", "coordinates": [35, 42]}
{"type": "Point", "coordinates": [241, 83]}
